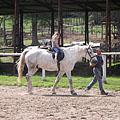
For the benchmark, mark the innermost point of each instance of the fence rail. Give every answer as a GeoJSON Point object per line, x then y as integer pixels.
{"type": "Point", "coordinates": [43, 71]}
{"type": "Point", "coordinates": [17, 55]}
{"type": "Point", "coordinates": [10, 54]}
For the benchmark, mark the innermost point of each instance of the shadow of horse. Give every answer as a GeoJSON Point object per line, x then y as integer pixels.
{"type": "Point", "coordinates": [59, 95]}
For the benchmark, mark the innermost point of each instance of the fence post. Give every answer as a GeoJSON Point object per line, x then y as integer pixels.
{"type": "Point", "coordinates": [104, 68]}
{"type": "Point", "coordinates": [43, 74]}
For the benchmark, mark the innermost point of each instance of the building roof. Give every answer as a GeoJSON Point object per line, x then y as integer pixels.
{"type": "Point", "coordinates": [38, 6]}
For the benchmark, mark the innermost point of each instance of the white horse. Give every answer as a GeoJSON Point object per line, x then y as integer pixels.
{"type": "Point", "coordinates": [40, 58]}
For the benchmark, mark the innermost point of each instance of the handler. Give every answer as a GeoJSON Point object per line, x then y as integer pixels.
{"type": "Point", "coordinates": [97, 67]}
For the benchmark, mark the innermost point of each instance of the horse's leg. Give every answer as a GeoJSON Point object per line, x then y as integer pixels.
{"type": "Point", "coordinates": [60, 74]}
{"type": "Point", "coordinates": [31, 71]}
{"type": "Point", "coordinates": [68, 73]}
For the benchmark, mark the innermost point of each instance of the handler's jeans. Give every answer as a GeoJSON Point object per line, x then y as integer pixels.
{"type": "Point", "coordinates": [97, 76]}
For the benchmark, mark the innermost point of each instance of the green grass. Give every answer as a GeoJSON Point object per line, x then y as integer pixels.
{"type": "Point", "coordinates": [113, 83]}
{"type": "Point", "coordinates": [29, 42]}
{"type": "Point", "coordinates": [82, 28]}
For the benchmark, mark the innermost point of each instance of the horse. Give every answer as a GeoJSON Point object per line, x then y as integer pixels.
{"type": "Point", "coordinates": [35, 58]}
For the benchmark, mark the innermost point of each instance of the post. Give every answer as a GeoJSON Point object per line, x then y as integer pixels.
{"type": "Point", "coordinates": [109, 14]}
{"type": "Point", "coordinates": [5, 41]}
{"type": "Point", "coordinates": [107, 25]}
{"type": "Point", "coordinates": [16, 31]}
{"type": "Point", "coordinates": [108, 32]}
{"type": "Point", "coordinates": [60, 22]}
{"type": "Point", "coordinates": [101, 31]}
{"type": "Point", "coordinates": [21, 31]}
{"type": "Point", "coordinates": [16, 27]}
{"type": "Point", "coordinates": [52, 23]}
{"type": "Point", "coordinates": [104, 68]}
{"type": "Point", "coordinates": [86, 28]}
{"type": "Point", "coordinates": [43, 74]}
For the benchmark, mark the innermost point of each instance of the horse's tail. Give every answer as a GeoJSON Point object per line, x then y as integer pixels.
{"type": "Point", "coordinates": [20, 65]}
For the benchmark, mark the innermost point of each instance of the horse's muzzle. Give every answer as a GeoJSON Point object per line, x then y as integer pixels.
{"type": "Point", "coordinates": [94, 60]}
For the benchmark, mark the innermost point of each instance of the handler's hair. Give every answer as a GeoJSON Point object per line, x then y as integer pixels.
{"type": "Point", "coordinates": [98, 49]}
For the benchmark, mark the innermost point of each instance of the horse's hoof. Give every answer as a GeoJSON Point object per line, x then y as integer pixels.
{"type": "Point", "coordinates": [73, 93]}
{"type": "Point", "coordinates": [54, 93]}
{"type": "Point", "coordinates": [30, 93]}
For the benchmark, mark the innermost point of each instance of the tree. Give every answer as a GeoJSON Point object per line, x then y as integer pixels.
{"type": "Point", "coordinates": [115, 16]}
{"type": "Point", "coordinates": [34, 30]}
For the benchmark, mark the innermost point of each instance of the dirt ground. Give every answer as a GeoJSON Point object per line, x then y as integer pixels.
{"type": "Point", "coordinates": [17, 104]}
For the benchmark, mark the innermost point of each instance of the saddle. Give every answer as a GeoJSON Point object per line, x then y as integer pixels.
{"type": "Point", "coordinates": [60, 56]}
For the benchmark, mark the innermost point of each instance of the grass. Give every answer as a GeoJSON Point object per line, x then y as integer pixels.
{"type": "Point", "coordinates": [113, 83]}
{"type": "Point", "coordinates": [29, 42]}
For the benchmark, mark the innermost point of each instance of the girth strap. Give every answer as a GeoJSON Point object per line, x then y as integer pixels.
{"type": "Point", "coordinates": [58, 65]}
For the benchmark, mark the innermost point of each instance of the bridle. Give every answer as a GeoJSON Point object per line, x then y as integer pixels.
{"type": "Point", "coordinates": [89, 54]}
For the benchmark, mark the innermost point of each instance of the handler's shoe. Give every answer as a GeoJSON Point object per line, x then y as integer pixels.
{"type": "Point", "coordinates": [86, 90]}
{"type": "Point", "coordinates": [104, 93]}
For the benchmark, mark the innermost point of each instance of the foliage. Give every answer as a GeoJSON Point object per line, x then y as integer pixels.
{"type": "Point", "coordinates": [113, 83]}
{"type": "Point", "coordinates": [44, 19]}
{"type": "Point", "coordinates": [115, 69]}
{"type": "Point", "coordinates": [96, 16]}
{"type": "Point", "coordinates": [1, 61]}
{"type": "Point", "coordinates": [1, 19]}
{"type": "Point", "coordinates": [8, 21]}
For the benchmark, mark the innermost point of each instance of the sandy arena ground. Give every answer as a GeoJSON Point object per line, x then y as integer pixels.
{"type": "Point", "coordinates": [17, 104]}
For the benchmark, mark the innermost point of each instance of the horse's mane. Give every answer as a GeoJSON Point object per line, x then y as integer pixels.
{"type": "Point", "coordinates": [76, 47]}
{"type": "Point", "coordinates": [66, 48]}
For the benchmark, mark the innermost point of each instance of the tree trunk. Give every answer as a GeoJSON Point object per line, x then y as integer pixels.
{"type": "Point", "coordinates": [116, 19]}
{"type": "Point", "coordinates": [34, 30]}
{"type": "Point", "coordinates": [5, 42]}
{"type": "Point", "coordinates": [118, 27]}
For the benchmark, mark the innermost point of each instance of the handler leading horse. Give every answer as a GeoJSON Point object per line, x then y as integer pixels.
{"type": "Point", "coordinates": [40, 58]}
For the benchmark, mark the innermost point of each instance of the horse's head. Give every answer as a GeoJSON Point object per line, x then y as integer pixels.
{"type": "Point", "coordinates": [90, 55]}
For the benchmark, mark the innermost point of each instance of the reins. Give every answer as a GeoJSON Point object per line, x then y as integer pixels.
{"type": "Point", "coordinates": [89, 54]}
